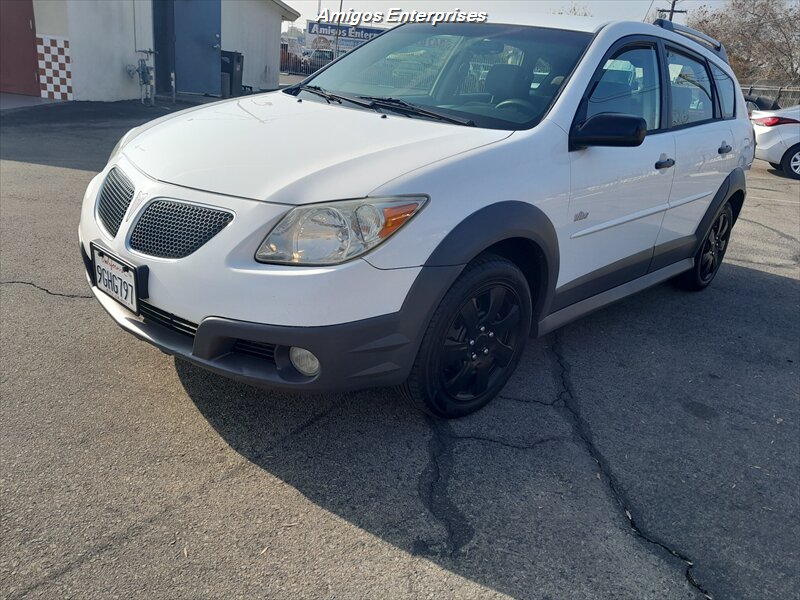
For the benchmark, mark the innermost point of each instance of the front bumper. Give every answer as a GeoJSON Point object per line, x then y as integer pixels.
{"type": "Point", "coordinates": [373, 352]}
{"type": "Point", "coordinates": [220, 309]}
{"type": "Point", "coordinates": [222, 278]}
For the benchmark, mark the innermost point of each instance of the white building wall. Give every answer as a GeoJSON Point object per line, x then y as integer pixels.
{"type": "Point", "coordinates": [104, 37]}
{"type": "Point", "coordinates": [51, 18]}
{"type": "Point", "coordinates": [253, 27]}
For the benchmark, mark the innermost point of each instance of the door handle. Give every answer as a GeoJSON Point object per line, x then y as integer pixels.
{"type": "Point", "coordinates": [665, 164]}
{"type": "Point", "coordinates": [725, 148]}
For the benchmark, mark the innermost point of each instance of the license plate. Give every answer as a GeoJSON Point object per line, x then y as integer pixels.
{"type": "Point", "coordinates": [116, 278]}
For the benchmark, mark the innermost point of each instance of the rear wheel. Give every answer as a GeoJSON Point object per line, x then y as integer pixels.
{"type": "Point", "coordinates": [474, 340]}
{"type": "Point", "coordinates": [709, 257]}
{"type": "Point", "coordinates": [775, 166]}
{"type": "Point", "coordinates": [791, 162]}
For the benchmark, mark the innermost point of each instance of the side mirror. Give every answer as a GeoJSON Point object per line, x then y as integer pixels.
{"type": "Point", "coordinates": [608, 129]}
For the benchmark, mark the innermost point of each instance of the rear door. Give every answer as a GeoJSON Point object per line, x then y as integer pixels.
{"type": "Point", "coordinates": [618, 195]}
{"type": "Point", "coordinates": [705, 145]}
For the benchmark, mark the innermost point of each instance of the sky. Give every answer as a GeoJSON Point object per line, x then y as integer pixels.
{"type": "Point", "coordinates": [501, 9]}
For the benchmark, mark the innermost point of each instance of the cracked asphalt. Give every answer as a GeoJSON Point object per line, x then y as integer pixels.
{"type": "Point", "coordinates": [650, 450]}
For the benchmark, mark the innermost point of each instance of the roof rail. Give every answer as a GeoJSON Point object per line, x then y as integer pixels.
{"type": "Point", "coordinates": [694, 35]}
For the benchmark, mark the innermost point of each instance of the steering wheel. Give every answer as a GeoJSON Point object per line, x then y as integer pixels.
{"type": "Point", "coordinates": [517, 103]}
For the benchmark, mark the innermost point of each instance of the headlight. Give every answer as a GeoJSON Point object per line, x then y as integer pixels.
{"type": "Point", "coordinates": [331, 233]}
{"type": "Point", "coordinates": [121, 143]}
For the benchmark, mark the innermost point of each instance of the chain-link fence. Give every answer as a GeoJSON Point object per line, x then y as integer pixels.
{"type": "Point", "coordinates": [785, 96]}
{"type": "Point", "coordinates": [305, 62]}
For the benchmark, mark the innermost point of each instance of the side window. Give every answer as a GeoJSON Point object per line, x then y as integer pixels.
{"type": "Point", "coordinates": [726, 91]}
{"type": "Point", "coordinates": [629, 85]}
{"type": "Point", "coordinates": [690, 89]}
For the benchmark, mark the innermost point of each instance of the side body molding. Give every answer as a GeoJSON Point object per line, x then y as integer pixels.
{"type": "Point", "coordinates": [676, 250]}
{"type": "Point", "coordinates": [660, 264]}
{"type": "Point", "coordinates": [499, 222]}
{"type": "Point", "coordinates": [519, 220]}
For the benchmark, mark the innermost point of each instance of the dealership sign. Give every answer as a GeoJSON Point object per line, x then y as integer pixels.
{"type": "Point", "coordinates": [323, 35]}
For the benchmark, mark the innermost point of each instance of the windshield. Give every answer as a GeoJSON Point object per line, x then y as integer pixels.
{"type": "Point", "coordinates": [495, 76]}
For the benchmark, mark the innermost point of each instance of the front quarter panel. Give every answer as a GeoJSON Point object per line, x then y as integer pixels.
{"type": "Point", "coordinates": [530, 167]}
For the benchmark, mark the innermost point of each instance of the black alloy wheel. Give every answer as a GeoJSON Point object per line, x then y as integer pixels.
{"type": "Point", "coordinates": [714, 246]}
{"type": "Point", "coordinates": [474, 340]}
{"type": "Point", "coordinates": [480, 342]}
{"type": "Point", "coordinates": [709, 257]}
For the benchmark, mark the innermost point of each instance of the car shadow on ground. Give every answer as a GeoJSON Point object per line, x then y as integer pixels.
{"type": "Point", "coordinates": [779, 173]}
{"type": "Point", "coordinates": [515, 490]}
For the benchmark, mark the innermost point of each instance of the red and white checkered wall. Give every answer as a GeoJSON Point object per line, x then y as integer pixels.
{"type": "Point", "coordinates": [55, 67]}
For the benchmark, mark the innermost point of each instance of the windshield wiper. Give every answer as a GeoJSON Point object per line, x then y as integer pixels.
{"type": "Point", "coordinates": [415, 109]}
{"type": "Point", "coordinates": [330, 96]}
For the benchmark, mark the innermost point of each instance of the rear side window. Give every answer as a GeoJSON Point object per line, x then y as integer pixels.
{"type": "Point", "coordinates": [725, 90]}
{"type": "Point", "coordinates": [629, 85]}
{"type": "Point", "coordinates": [690, 90]}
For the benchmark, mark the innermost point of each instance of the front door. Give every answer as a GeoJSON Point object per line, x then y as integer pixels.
{"type": "Point", "coordinates": [198, 27]}
{"type": "Point", "coordinates": [19, 68]}
{"type": "Point", "coordinates": [618, 195]}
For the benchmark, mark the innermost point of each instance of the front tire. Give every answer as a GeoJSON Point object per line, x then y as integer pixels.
{"type": "Point", "coordinates": [474, 340]}
{"type": "Point", "coordinates": [709, 257]}
{"type": "Point", "coordinates": [791, 162]}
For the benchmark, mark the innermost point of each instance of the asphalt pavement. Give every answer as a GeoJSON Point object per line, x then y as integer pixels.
{"type": "Point", "coordinates": [650, 450]}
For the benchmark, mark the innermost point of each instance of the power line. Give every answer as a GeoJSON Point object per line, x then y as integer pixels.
{"type": "Point", "coordinates": [648, 10]}
{"type": "Point", "coordinates": [671, 10]}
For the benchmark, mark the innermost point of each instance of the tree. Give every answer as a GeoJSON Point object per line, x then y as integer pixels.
{"type": "Point", "coordinates": [576, 10]}
{"type": "Point", "coordinates": [762, 37]}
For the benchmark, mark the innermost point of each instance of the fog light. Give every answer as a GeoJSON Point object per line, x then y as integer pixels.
{"type": "Point", "coordinates": [304, 361]}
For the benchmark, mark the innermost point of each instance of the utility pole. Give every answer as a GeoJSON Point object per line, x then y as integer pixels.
{"type": "Point", "coordinates": [338, 27]}
{"type": "Point", "coordinates": [672, 11]}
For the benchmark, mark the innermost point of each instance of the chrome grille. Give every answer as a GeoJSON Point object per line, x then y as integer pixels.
{"type": "Point", "coordinates": [114, 200]}
{"type": "Point", "coordinates": [169, 229]}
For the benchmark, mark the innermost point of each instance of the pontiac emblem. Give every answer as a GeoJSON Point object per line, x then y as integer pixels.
{"type": "Point", "coordinates": [580, 216]}
{"type": "Point", "coordinates": [137, 202]}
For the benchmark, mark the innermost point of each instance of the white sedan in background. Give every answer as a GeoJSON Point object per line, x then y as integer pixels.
{"type": "Point", "coordinates": [778, 138]}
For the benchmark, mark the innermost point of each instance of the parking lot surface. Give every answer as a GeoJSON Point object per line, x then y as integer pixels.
{"type": "Point", "coordinates": [650, 450]}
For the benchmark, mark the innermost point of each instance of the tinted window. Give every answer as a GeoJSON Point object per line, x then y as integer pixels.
{"type": "Point", "coordinates": [498, 76]}
{"type": "Point", "coordinates": [690, 89]}
{"type": "Point", "coordinates": [726, 91]}
{"type": "Point", "coordinates": [629, 85]}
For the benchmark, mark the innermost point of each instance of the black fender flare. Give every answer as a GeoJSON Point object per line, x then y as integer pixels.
{"type": "Point", "coordinates": [734, 182]}
{"type": "Point", "coordinates": [496, 223]}
{"type": "Point", "coordinates": [688, 247]}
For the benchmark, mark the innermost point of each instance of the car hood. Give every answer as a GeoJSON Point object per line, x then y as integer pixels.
{"type": "Point", "coordinates": [274, 148]}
